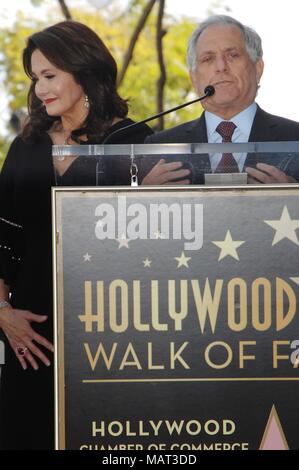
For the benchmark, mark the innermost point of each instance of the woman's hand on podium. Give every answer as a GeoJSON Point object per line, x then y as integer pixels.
{"type": "Point", "coordinates": [16, 325]}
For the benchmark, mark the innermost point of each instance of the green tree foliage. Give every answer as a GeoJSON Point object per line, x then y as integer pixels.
{"type": "Point", "coordinates": [140, 81]}
{"type": "Point", "coordinates": [15, 83]}
{"type": "Point", "coordinates": [4, 144]}
{"type": "Point", "coordinates": [139, 85]}
{"type": "Point", "coordinates": [12, 42]}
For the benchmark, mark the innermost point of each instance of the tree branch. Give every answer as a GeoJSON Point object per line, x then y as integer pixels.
{"type": "Point", "coordinates": [162, 79]}
{"type": "Point", "coordinates": [129, 54]}
{"type": "Point", "coordinates": [65, 10]}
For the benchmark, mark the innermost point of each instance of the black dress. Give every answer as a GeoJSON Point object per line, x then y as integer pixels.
{"type": "Point", "coordinates": [27, 397]}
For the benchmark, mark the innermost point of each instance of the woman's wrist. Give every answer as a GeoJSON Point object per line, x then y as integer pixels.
{"type": "Point", "coordinates": [4, 304]}
{"type": "Point", "coordinates": [5, 308]}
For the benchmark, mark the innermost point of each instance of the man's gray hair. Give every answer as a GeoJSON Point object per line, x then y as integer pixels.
{"type": "Point", "coordinates": [253, 42]}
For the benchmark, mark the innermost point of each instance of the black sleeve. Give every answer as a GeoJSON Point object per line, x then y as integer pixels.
{"type": "Point", "coordinates": [11, 231]}
{"type": "Point", "coordinates": [135, 135]}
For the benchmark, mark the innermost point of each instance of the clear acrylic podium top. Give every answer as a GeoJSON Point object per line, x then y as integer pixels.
{"type": "Point", "coordinates": [117, 165]}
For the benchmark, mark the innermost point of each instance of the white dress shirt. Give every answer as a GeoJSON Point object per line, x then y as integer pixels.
{"type": "Point", "coordinates": [243, 122]}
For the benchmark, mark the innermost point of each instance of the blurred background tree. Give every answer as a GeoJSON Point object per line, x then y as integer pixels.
{"type": "Point", "coordinates": [138, 75]}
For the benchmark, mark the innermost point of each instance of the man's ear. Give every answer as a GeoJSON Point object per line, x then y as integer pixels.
{"type": "Point", "coordinates": [259, 67]}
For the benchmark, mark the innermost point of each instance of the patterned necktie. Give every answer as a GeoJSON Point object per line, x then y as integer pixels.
{"type": "Point", "coordinates": [227, 163]}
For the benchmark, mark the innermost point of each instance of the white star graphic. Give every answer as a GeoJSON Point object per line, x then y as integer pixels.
{"type": "Point", "coordinates": [228, 246]}
{"type": "Point", "coordinates": [158, 234]}
{"type": "Point", "coordinates": [87, 257]}
{"type": "Point", "coordinates": [285, 227]}
{"type": "Point", "coordinates": [182, 260]}
{"type": "Point", "coordinates": [147, 263]}
{"type": "Point", "coordinates": [123, 242]}
{"type": "Point", "coordinates": [295, 279]}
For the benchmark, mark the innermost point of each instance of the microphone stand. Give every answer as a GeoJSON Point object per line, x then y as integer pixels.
{"type": "Point", "coordinates": [208, 91]}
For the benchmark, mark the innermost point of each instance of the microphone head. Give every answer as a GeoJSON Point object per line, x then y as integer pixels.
{"type": "Point", "coordinates": [209, 90]}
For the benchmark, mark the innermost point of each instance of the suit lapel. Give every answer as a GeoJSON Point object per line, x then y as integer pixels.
{"type": "Point", "coordinates": [197, 131]}
{"type": "Point", "coordinates": [261, 131]}
{"type": "Point", "coordinates": [263, 127]}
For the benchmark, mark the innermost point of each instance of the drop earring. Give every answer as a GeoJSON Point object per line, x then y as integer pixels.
{"type": "Point", "coordinates": [86, 103]}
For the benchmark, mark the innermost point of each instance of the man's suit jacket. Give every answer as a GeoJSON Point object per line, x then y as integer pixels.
{"type": "Point", "coordinates": [265, 128]}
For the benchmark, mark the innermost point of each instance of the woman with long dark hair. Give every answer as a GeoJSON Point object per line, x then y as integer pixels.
{"type": "Point", "coordinates": [72, 100]}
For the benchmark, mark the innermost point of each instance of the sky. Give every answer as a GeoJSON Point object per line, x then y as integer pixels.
{"type": "Point", "coordinates": [276, 21]}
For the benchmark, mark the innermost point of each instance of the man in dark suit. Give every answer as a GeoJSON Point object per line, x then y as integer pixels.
{"type": "Point", "coordinates": [227, 55]}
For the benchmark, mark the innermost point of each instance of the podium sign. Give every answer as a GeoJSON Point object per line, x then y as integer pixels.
{"type": "Point", "coordinates": [177, 318]}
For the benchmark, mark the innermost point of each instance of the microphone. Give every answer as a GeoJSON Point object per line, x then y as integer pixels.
{"type": "Point", "coordinates": [208, 91]}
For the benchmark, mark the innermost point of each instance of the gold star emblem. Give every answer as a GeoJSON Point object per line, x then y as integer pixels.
{"type": "Point", "coordinates": [87, 257]}
{"type": "Point", "coordinates": [285, 227]}
{"type": "Point", "coordinates": [123, 242]}
{"type": "Point", "coordinates": [228, 247]}
{"type": "Point", "coordinates": [182, 260]}
{"type": "Point", "coordinates": [147, 263]}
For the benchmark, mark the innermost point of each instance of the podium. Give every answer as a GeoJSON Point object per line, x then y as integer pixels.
{"type": "Point", "coordinates": [176, 307]}
{"type": "Point", "coordinates": [104, 165]}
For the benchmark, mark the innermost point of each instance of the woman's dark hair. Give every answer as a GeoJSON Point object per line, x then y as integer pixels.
{"type": "Point", "coordinates": [74, 48]}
